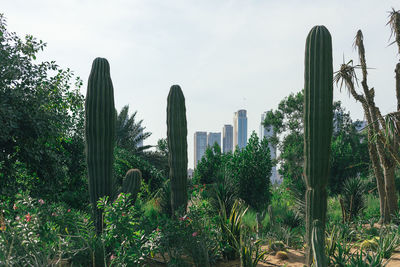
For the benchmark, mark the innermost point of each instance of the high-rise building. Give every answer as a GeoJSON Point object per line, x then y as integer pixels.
{"type": "Point", "coordinates": [140, 143]}
{"type": "Point", "coordinates": [268, 132]}
{"type": "Point", "coordinates": [240, 129]}
{"type": "Point", "coordinates": [213, 138]}
{"type": "Point", "coordinates": [200, 145]}
{"type": "Point", "coordinates": [227, 138]}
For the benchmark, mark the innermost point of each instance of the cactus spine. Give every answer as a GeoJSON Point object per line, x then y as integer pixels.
{"type": "Point", "coordinates": [318, 97]}
{"type": "Point", "coordinates": [131, 184]}
{"type": "Point", "coordinates": [177, 145]}
{"type": "Point", "coordinates": [100, 134]}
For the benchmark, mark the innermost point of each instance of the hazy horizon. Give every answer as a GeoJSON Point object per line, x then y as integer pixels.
{"type": "Point", "coordinates": [226, 55]}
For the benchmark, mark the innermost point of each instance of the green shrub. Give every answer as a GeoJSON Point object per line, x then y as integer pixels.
{"type": "Point", "coordinates": [124, 238]}
{"type": "Point", "coordinates": [334, 212]}
{"type": "Point", "coordinates": [352, 198]}
{"type": "Point", "coordinates": [36, 233]}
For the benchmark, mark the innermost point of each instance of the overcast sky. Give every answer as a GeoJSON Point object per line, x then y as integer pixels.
{"type": "Point", "coordinates": [226, 55]}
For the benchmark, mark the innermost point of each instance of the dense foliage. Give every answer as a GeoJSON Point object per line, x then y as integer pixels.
{"type": "Point", "coordinates": [41, 116]}
{"type": "Point", "coordinates": [349, 156]}
{"type": "Point", "coordinates": [251, 168]}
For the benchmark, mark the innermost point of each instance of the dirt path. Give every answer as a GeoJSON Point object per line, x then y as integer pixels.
{"type": "Point", "coordinates": [296, 258]}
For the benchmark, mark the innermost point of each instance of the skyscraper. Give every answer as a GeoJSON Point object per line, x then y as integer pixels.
{"type": "Point", "coordinates": [268, 132]}
{"type": "Point", "coordinates": [140, 143]}
{"type": "Point", "coordinates": [240, 129]}
{"type": "Point", "coordinates": [200, 145]}
{"type": "Point", "coordinates": [213, 138]}
{"type": "Point", "coordinates": [227, 136]}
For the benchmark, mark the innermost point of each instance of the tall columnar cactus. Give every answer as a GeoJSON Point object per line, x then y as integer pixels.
{"type": "Point", "coordinates": [100, 134]}
{"type": "Point", "coordinates": [131, 184]}
{"type": "Point", "coordinates": [177, 145]}
{"type": "Point", "coordinates": [318, 97]}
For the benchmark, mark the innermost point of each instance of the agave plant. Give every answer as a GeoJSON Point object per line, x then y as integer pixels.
{"type": "Point", "coordinates": [250, 253]}
{"type": "Point", "coordinates": [231, 228]}
{"type": "Point", "coordinates": [352, 198]}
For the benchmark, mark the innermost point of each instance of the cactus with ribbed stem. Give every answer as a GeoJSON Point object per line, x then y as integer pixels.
{"type": "Point", "coordinates": [177, 146]}
{"type": "Point", "coordinates": [100, 135]}
{"type": "Point", "coordinates": [131, 183]}
{"type": "Point", "coordinates": [318, 98]}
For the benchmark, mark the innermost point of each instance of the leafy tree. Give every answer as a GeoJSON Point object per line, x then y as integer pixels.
{"type": "Point", "coordinates": [349, 148]}
{"type": "Point", "coordinates": [159, 157]}
{"type": "Point", "coordinates": [287, 123]}
{"type": "Point", "coordinates": [209, 170]}
{"type": "Point", "coordinates": [349, 156]}
{"type": "Point", "coordinates": [251, 168]}
{"type": "Point", "coordinates": [41, 140]}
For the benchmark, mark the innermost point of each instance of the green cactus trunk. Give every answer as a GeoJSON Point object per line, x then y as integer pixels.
{"type": "Point", "coordinates": [177, 145]}
{"type": "Point", "coordinates": [100, 134]}
{"type": "Point", "coordinates": [131, 184]}
{"type": "Point", "coordinates": [318, 97]}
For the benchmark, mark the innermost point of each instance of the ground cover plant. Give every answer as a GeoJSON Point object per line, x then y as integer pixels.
{"type": "Point", "coordinates": [78, 191]}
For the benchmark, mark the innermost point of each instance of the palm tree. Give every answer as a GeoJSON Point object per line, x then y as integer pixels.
{"type": "Point", "coordinates": [129, 133]}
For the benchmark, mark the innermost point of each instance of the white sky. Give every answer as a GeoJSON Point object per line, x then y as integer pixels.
{"type": "Point", "coordinates": [226, 55]}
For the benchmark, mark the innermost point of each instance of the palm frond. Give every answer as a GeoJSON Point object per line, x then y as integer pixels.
{"type": "Point", "coordinates": [129, 132]}
{"type": "Point", "coordinates": [346, 75]}
{"type": "Point", "coordinates": [394, 23]}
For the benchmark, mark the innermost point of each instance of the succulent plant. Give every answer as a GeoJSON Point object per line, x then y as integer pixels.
{"type": "Point", "coordinates": [282, 255]}
{"type": "Point", "coordinates": [100, 134]}
{"type": "Point", "coordinates": [177, 147]}
{"type": "Point", "coordinates": [132, 182]}
{"type": "Point", "coordinates": [318, 116]}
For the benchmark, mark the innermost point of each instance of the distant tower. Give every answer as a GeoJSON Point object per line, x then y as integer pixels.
{"type": "Point", "coordinates": [240, 129]}
{"type": "Point", "coordinates": [227, 138]}
{"type": "Point", "coordinates": [213, 138]}
{"type": "Point", "coordinates": [200, 145]}
{"type": "Point", "coordinates": [140, 143]}
{"type": "Point", "coordinates": [269, 132]}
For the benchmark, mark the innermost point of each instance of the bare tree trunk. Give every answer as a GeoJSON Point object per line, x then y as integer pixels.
{"type": "Point", "coordinates": [397, 72]}
{"type": "Point", "coordinates": [390, 187]}
{"type": "Point", "coordinates": [373, 154]}
{"type": "Point", "coordinates": [375, 117]}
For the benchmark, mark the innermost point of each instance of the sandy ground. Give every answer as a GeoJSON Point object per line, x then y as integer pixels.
{"type": "Point", "coordinates": [296, 259]}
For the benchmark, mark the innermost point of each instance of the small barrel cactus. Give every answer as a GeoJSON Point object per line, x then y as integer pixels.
{"type": "Point", "coordinates": [100, 134]}
{"type": "Point", "coordinates": [131, 183]}
{"type": "Point", "coordinates": [318, 123]}
{"type": "Point", "coordinates": [282, 255]}
{"type": "Point", "coordinates": [177, 146]}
